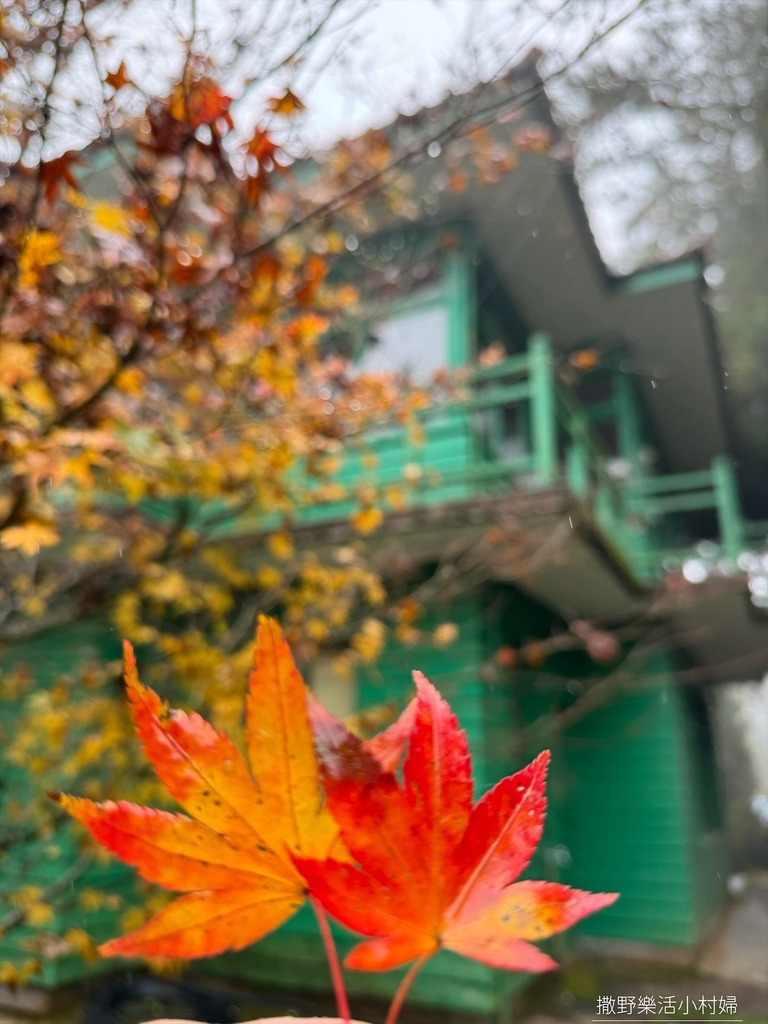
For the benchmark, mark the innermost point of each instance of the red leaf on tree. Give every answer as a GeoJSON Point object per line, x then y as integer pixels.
{"type": "Point", "coordinates": [315, 271]}
{"type": "Point", "coordinates": [433, 870]}
{"type": "Point", "coordinates": [506, 656]}
{"type": "Point", "coordinates": [201, 103]}
{"type": "Point", "coordinates": [54, 172]}
{"type": "Point", "coordinates": [262, 147]}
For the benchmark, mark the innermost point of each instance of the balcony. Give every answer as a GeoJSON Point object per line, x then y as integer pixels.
{"type": "Point", "coordinates": [519, 427]}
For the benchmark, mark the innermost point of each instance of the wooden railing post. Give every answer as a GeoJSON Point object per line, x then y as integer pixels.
{"type": "Point", "coordinates": [728, 511]}
{"type": "Point", "coordinates": [543, 414]}
{"type": "Point", "coordinates": [577, 456]}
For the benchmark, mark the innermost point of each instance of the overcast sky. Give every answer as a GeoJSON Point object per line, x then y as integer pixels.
{"type": "Point", "coordinates": [371, 60]}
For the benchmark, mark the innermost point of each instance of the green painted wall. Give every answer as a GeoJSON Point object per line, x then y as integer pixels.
{"type": "Point", "coordinates": [43, 860]}
{"type": "Point", "coordinates": [632, 802]}
{"type": "Point", "coordinates": [633, 820]}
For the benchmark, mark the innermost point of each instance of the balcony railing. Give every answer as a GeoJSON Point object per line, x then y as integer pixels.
{"type": "Point", "coordinates": [521, 426]}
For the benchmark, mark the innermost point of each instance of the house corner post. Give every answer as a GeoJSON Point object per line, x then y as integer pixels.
{"type": "Point", "coordinates": [728, 511]}
{"type": "Point", "coordinates": [543, 412]}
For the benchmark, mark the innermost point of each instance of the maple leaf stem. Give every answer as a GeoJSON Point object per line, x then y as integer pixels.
{"type": "Point", "coordinates": [404, 988]}
{"type": "Point", "coordinates": [342, 1003]}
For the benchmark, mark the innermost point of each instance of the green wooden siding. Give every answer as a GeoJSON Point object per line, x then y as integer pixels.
{"type": "Point", "coordinates": [448, 449]}
{"type": "Point", "coordinates": [42, 861]}
{"type": "Point", "coordinates": [625, 818]}
{"type": "Point", "coordinates": [631, 820]}
{"type": "Point", "coordinates": [632, 806]}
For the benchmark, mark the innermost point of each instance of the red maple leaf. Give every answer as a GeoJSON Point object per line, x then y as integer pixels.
{"type": "Point", "coordinates": [433, 870]}
{"type": "Point", "coordinates": [54, 172]}
{"type": "Point", "coordinates": [206, 103]}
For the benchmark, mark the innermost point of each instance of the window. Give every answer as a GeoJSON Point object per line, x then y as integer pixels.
{"type": "Point", "coordinates": [414, 342]}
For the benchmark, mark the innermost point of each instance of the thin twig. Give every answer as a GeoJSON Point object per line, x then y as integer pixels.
{"type": "Point", "coordinates": [417, 151]}
{"type": "Point", "coordinates": [56, 888]}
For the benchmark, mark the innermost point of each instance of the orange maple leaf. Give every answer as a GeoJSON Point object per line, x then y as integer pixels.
{"type": "Point", "coordinates": [585, 359]}
{"type": "Point", "coordinates": [231, 857]}
{"type": "Point", "coordinates": [201, 103]}
{"type": "Point", "coordinates": [434, 870]}
{"type": "Point", "coordinates": [117, 79]}
{"type": "Point", "coordinates": [285, 105]}
{"type": "Point", "coordinates": [231, 854]}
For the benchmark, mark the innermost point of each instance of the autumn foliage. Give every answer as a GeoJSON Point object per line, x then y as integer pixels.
{"type": "Point", "coordinates": [396, 851]}
{"type": "Point", "coordinates": [167, 406]}
{"type": "Point", "coordinates": [170, 407]}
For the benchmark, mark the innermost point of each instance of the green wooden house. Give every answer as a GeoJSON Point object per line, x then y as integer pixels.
{"type": "Point", "coordinates": [583, 472]}
{"type": "Point", "coordinates": [583, 475]}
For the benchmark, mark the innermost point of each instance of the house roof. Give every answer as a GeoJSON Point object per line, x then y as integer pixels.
{"type": "Point", "coordinates": [532, 226]}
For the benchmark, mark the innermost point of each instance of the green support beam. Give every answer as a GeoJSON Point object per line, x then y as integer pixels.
{"type": "Point", "coordinates": [578, 456]}
{"type": "Point", "coordinates": [728, 512]}
{"type": "Point", "coordinates": [628, 425]}
{"type": "Point", "coordinates": [543, 414]}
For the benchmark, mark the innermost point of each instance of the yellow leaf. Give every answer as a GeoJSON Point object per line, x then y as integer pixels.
{"type": "Point", "coordinates": [317, 630]}
{"type": "Point", "coordinates": [395, 497]}
{"type": "Point", "coordinates": [28, 895]}
{"type": "Point", "coordinates": [334, 241]}
{"type": "Point", "coordinates": [445, 634]}
{"type": "Point", "coordinates": [281, 545]}
{"type": "Point", "coordinates": [110, 218]}
{"type": "Point", "coordinates": [76, 199]}
{"type": "Point", "coordinates": [366, 520]}
{"type": "Point", "coordinates": [285, 105]}
{"type": "Point", "coordinates": [18, 361]}
{"type": "Point", "coordinates": [82, 943]}
{"type": "Point", "coordinates": [40, 250]}
{"type": "Point", "coordinates": [39, 914]}
{"type": "Point", "coordinates": [369, 641]}
{"type": "Point", "coordinates": [29, 537]}
{"type": "Point", "coordinates": [131, 382]}
{"type": "Point", "coordinates": [37, 396]}
{"type": "Point", "coordinates": [135, 488]}
{"type": "Point", "coordinates": [91, 899]}
{"type": "Point", "coordinates": [133, 919]}
{"type": "Point", "coordinates": [34, 606]}
{"type": "Point", "coordinates": [269, 577]}
{"type": "Point", "coordinates": [166, 586]}
{"type": "Point", "coordinates": [12, 975]}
